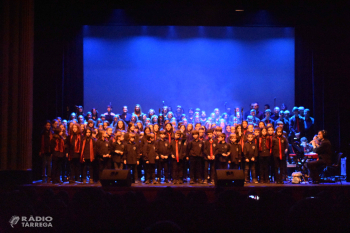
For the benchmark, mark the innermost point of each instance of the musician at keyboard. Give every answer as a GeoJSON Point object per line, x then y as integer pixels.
{"type": "Point", "coordinates": [324, 151]}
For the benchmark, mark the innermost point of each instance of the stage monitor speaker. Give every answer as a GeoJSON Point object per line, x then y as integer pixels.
{"type": "Point", "coordinates": [229, 178]}
{"type": "Point", "coordinates": [120, 178]}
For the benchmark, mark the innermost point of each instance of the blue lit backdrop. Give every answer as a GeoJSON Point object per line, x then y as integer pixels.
{"type": "Point", "coordinates": [191, 66]}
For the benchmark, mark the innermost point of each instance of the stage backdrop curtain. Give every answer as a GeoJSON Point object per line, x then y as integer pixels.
{"type": "Point", "coordinates": [16, 72]}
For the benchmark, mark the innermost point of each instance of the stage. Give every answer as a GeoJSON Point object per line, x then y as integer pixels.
{"type": "Point", "coordinates": [194, 208]}
{"type": "Point", "coordinates": [297, 191]}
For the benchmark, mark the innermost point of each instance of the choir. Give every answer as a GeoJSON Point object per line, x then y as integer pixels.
{"type": "Point", "coordinates": [173, 145]}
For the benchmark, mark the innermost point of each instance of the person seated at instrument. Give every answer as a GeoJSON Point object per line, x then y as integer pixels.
{"type": "Point", "coordinates": [324, 151]}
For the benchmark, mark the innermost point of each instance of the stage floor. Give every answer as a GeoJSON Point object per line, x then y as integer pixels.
{"type": "Point", "coordinates": [298, 191]}
{"type": "Point", "coordinates": [188, 185]}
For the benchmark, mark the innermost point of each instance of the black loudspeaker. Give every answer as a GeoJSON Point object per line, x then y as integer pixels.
{"type": "Point", "coordinates": [229, 178]}
{"type": "Point", "coordinates": [120, 177]}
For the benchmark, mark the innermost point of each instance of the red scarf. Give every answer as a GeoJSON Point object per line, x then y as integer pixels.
{"type": "Point", "coordinates": [211, 148]}
{"type": "Point", "coordinates": [92, 156]}
{"type": "Point", "coordinates": [177, 151]}
{"type": "Point", "coordinates": [298, 124]}
{"type": "Point", "coordinates": [267, 143]}
{"type": "Point", "coordinates": [77, 143]}
{"type": "Point", "coordinates": [42, 150]}
{"type": "Point", "coordinates": [169, 134]}
{"type": "Point", "coordinates": [260, 149]}
{"type": "Point", "coordinates": [59, 145]}
{"type": "Point", "coordinates": [270, 141]}
{"type": "Point", "coordinates": [279, 139]}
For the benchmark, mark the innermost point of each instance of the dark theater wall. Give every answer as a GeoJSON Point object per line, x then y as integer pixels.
{"type": "Point", "coordinates": [16, 86]}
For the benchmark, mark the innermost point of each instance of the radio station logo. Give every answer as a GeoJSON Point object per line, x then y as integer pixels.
{"type": "Point", "coordinates": [31, 221]}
